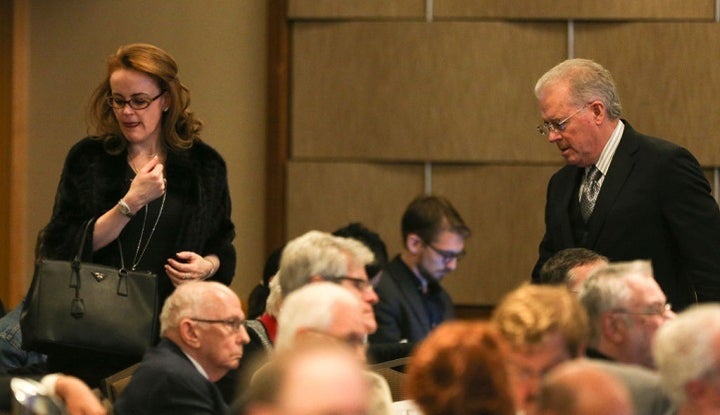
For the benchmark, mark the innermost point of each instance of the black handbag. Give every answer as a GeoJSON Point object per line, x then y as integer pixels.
{"type": "Point", "coordinates": [90, 306]}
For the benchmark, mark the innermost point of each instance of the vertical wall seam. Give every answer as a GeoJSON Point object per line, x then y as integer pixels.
{"type": "Point", "coordinates": [428, 165]}
{"type": "Point", "coordinates": [571, 38]}
{"type": "Point", "coordinates": [428, 178]}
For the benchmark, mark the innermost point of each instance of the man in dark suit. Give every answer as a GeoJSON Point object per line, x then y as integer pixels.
{"type": "Point", "coordinates": [203, 334]}
{"type": "Point", "coordinates": [623, 194]}
{"type": "Point", "coordinates": [412, 302]}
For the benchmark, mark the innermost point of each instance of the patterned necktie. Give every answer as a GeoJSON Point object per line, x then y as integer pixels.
{"type": "Point", "coordinates": [591, 188]}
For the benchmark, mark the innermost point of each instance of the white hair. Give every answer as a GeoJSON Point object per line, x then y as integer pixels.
{"type": "Point", "coordinates": [310, 307]}
{"type": "Point", "coordinates": [190, 300]}
{"type": "Point", "coordinates": [272, 304]}
{"type": "Point", "coordinates": [684, 348]}
{"type": "Point", "coordinates": [319, 253]}
{"type": "Point", "coordinates": [607, 289]}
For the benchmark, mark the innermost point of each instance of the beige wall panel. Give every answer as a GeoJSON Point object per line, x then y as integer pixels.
{"type": "Point", "coordinates": [574, 9]}
{"type": "Point", "coordinates": [504, 207]}
{"type": "Point", "coordinates": [669, 87]}
{"type": "Point", "coordinates": [323, 9]}
{"type": "Point", "coordinates": [326, 196]}
{"type": "Point", "coordinates": [453, 91]}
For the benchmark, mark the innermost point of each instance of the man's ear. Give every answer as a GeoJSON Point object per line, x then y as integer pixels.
{"type": "Point", "coordinates": [413, 243]}
{"type": "Point", "coordinates": [189, 334]}
{"type": "Point", "coordinates": [613, 327]}
{"type": "Point", "coordinates": [598, 110]}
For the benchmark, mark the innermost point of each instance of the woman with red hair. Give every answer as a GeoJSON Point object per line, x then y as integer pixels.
{"type": "Point", "coordinates": [459, 370]}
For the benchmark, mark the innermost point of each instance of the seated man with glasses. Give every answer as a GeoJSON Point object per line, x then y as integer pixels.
{"type": "Point", "coordinates": [203, 334]}
{"type": "Point", "coordinates": [626, 307]}
{"type": "Point", "coordinates": [412, 301]}
{"type": "Point", "coordinates": [323, 312]}
{"type": "Point", "coordinates": [543, 326]}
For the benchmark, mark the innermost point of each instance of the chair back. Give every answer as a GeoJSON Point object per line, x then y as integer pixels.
{"type": "Point", "coordinates": [394, 373]}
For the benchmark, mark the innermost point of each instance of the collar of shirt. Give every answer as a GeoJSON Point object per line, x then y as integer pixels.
{"type": "Point", "coordinates": [603, 163]}
{"type": "Point", "coordinates": [606, 156]}
{"type": "Point", "coordinates": [197, 366]}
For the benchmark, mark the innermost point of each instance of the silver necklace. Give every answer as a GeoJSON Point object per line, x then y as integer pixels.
{"type": "Point", "coordinates": [138, 254]}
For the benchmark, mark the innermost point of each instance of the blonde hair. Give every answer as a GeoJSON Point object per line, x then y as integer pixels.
{"type": "Point", "coordinates": [530, 312]}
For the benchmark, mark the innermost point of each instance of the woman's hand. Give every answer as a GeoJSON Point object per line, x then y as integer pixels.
{"type": "Point", "coordinates": [188, 266]}
{"type": "Point", "coordinates": [148, 184]}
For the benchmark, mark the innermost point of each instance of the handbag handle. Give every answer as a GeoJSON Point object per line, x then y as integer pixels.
{"type": "Point", "coordinates": [77, 305]}
{"type": "Point", "coordinates": [75, 264]}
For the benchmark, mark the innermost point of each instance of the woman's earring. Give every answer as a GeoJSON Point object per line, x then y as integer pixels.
{"type": "Point", "coordinates": [165, 109]}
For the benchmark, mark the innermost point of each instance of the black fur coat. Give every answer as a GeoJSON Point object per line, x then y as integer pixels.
{"type": "Point", "coordinates": [93, 181]}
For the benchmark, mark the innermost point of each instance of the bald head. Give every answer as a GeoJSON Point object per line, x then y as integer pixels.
{"type": "Point", "coordinates": [579, 387]}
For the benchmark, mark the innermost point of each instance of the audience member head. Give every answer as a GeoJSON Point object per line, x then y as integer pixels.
{"type": "Point", "coordinates": [259, 295]}
{"type": "Point", "coordinates": [625, 306]}
{"type": "Point", "coordinates": [587, 81]}
{"type": "Point", "coordinates": [459, 370]}
{"type": "Point", "coordinates": [578, 98]}
{"type": "Point", "coordinates": [578, 387]}
{"type": "Point", "coordinates": [542, 326]}
{"type": "Point", "coordinates": [322, 309]}
{"type": "Point", "coordinates": [311, 378]}
{"type": "Point", "coordinates": [205, 319]}
{"type": "Point", "coordinates": [372, 241]}
{"type": "Point", "coordinates": [433, 237]}
{"type": "Point", "coordinates": [571, 267]}
{"type": "Point", "coordinates": [180, 128]}
{"type": "Point", "coordinates": [687, 355]}
{"type": "Point", "coordinates": [319, 256]}
{"type": "Point", "coordinates": [274, 299]}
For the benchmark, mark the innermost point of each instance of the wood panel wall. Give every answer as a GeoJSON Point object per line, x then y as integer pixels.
{"type": "Point", "coordinates": [388, 99]}
{"type": "Point", "coordinates": [6, 60]}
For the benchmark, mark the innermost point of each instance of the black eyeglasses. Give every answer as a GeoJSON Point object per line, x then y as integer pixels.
{"type": "Point", "coordinates": [447, 256]}
{"type": "Point", "coordinates": [358, 283]}
{"type": "Point", "coordinates": [657, 310]}
{"type": "Point", "coordinates": [136, 102]}
{"type": "Point", "coordinates": [235, 324]}
{"type": "Point", "coordinates": [557, 126]}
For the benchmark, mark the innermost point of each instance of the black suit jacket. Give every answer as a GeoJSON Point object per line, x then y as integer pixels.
{"type": "Point", "coordinates": [166, 382]}
{"type": "Point", "coordinates": [655, 204]}
{"type": "Point", "coordinates": [401, 312]}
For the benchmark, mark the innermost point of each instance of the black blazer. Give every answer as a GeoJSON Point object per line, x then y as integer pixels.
{"type": "Point", "coordinates": [401, 313]}
{"type": "Point", "coordinates": [655, 203]}
{"type": "Point", "coordinates": [166, 382]}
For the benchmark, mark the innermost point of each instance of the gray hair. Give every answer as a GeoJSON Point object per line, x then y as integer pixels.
{"type": "Point", "coordinates": [272, 304]}
{"type": "Point", "coordinates": [588, 81]}
{"type": "Point", "coordinates": [319, 253]}
{"type": "Point", "coordinates": [607, 289]}
{"type": "Point", "coordinates": [684, 348]}
{"type": "Point", "coordinates": [190, 300]}
{"type": "Point", "coordinates": [310, 307]}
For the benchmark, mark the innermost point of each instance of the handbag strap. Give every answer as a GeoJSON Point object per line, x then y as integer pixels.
{"type": "Point", "coordinates": [122, 259]}
{"type": "Point", "coordinates": [82, 245]}
{"type": "Point", "coordinates": [82, 241]}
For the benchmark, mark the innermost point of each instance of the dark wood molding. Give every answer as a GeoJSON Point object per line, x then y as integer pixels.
{"type": "Point", "coordinates": [277, 125]}
{"type": "Point", "coordinates": [6, 97]}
